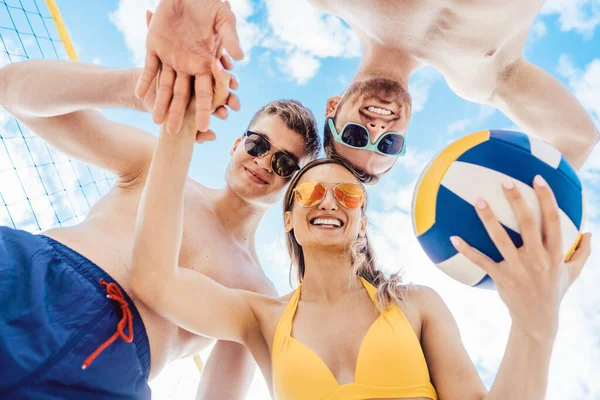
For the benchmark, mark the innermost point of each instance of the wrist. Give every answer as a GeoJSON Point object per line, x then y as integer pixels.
{"type": "Point", "coordinates": [125, 90]}
{"type": "Point", "coordinates": [543, 337]}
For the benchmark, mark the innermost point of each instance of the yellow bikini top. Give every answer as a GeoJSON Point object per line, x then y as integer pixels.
{"type": "Point", "coordinates": [390, 362]}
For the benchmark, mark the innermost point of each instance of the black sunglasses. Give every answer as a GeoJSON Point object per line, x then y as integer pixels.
{"type": "Point", "coordinates": [282, 163]}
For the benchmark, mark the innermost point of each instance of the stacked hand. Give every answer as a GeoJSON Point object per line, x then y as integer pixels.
{"type": "Point", "coordinates": [532, 279]}
{"type": "Point", "coordinates": [185, 40]}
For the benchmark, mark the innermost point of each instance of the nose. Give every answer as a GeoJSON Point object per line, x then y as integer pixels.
{"type": "Point", "coordinates": [376, 129]}
{"type": "Point", "coordinates": [329, 203]}
{"type": "Point", "coordinates": [264, 162]}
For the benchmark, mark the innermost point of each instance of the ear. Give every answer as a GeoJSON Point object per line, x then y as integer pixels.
{"type": "Point", "coordinates": [235, 145]}
{"type": "Point", "coordinates": [363, 227]}
{"type": "Point", "coordinates": [332, 104]}
{"type": "Point", "coordinates": [288, 221]}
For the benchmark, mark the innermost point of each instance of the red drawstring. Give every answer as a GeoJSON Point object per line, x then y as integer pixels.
{"type": "Point", "coordinates": [114, 293]}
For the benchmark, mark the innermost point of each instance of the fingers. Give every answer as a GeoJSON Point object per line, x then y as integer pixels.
{"type": "Point", "coordinates": [552, 234]}
{"type": "Point", "coordinates": [207, 136]}
{"type": "Point", "coordinates": [233, 102]}
{"type": "Point", "coordinates": [163, 94]}
{"type": "Point", "coordinates": [579, 258]}
{"type": "Point", "coordinates": [496, 231]}
{"type": "Point", "coordinates": [233, 83]}
{"type": "Point", "coordinates": [474, 255]}
{"type": "Point", "coordinates": [226, 61]}
{"type": "Point", "coordinates": [529, 230]}
{"type": "Point", "coordinates": [221, 112]}
{"type": "Point", "coordinates": [203, 90]}
{"type": "Point", "coordinates": [221, 85]}
{"type": "Point", "coordinates": [148, 74]}
{"type": "Point", "coordinates": [225, 26]}
{"type": "Point", "coordinates": [179, 103]}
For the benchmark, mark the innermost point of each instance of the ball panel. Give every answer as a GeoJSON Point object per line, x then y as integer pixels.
{"type": "Point", "coordinates": [425, 198]}
{"type": "Point", "coordinates": [567, 170]}
{"type": "Point", "coordinates": [545, 152]}
{"type": "Point", "coordinates": [516, 139]}
{"type": "Point", "coordinates": [486, 283]}
{"type": "Point", "coordinates": [463, 270]}
{"type": "Point", "coordinates": [521, 166]}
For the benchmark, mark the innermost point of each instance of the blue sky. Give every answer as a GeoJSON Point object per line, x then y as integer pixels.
{"type": "Point", "coordinates": [293, 51]}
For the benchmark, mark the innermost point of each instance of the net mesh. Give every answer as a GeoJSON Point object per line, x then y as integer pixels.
{"type": "Point", "coordinates": [40, 188]}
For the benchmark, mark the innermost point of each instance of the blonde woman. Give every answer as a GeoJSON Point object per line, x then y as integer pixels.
{"type": "Point", "coordinates": [347, 333]}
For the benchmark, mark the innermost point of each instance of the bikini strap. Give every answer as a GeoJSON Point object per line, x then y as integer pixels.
{"type": "Point", "coordinates": [372, 290]}
{"type": "Point", "coordinates": [284, 326]}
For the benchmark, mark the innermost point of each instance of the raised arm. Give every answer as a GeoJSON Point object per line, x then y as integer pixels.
{"type": "Point", "coordinates": [57, 100]}
{"type": "Point", "coordinates": [543, 107]}
{"type": "Point", "coordinates": [227, 374]}
{"type": "Point", "coordinates": [184, 297]}
{"type": "Point", "coordinates": [532, 282]}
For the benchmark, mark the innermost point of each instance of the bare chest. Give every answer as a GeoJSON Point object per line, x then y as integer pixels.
{"type": "Point", "coordinates": [434, 30]}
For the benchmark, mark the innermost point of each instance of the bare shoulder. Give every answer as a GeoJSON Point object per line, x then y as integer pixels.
{"type": "Point", "coordinates": [424, 300]}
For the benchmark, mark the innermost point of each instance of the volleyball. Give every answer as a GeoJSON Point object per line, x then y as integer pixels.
{"type": "Point", "coordinates": [473, 166]}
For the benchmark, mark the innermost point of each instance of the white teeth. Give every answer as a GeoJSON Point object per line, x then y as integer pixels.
{"type": "Point", "coordinates": [330, 222]}
{"type": "Point", "coordinates": [378, 110]}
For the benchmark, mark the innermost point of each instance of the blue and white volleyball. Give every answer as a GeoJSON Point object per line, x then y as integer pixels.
{"type": "Point", "coordinates": [474, 166]}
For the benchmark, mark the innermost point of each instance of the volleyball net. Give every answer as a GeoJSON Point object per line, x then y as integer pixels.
{"type": "Point", "coordinates": [40, 188]}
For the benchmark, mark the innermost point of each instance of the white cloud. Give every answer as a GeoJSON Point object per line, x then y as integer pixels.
{"type": "Point", "coordinates": [580, 15]}
{"type": "Point", "coordinates": [420, 85]}
{"type": "Point", "coordinates": [461, 125]}
{"type": "Point", "coordinates": [538, 31]}
{"type": "Point", "coordinates": [299, 28]}
{"type": "Point", "coordinates": [299, 65]}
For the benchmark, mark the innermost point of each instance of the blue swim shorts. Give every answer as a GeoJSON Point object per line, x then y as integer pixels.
{"type": "Point", "coordinates": [59, 311]}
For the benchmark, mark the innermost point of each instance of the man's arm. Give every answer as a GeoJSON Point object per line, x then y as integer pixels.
{"type": "Point", "coordinates": [538, 103]}
{"type": "Point", "coordinates": [56, 99]}
{"type": "Point", "coordinates": [228, 372]}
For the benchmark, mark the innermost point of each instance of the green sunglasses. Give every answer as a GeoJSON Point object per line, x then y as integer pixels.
{"type": "Point", "coordinates": [358, 136]}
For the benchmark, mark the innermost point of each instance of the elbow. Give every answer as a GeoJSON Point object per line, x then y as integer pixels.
{"type": "Point", "coordinates": [144, 283]}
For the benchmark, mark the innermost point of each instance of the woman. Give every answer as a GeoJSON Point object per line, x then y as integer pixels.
{"type": "Point", "coordinates": [346, 332]}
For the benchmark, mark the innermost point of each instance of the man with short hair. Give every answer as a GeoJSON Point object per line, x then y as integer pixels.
{"type": "Point", "coordinates": [56, 322]}
{"type": "Point", "coordinates": [477, 46]}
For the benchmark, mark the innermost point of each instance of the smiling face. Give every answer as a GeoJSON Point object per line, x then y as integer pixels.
{"type": "Point", "coordinates": [382, 105]}
{"type": "Point", "coordinates": [327, 224]}
{"type": "Point", "coordinates": [252, 178]}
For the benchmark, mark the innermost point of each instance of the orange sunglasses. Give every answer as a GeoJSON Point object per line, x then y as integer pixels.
{"type": "Point", "coordinates": [350, 195]}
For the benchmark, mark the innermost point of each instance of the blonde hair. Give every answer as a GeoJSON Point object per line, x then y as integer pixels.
{"type": "Point", "coordinates": [362, 255]}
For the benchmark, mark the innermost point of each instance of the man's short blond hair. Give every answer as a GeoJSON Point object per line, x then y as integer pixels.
{"type": "Point", "coordinates": [297, 118]}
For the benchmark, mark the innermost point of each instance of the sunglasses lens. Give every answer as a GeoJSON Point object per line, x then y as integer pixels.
{"type": "Point", "coordinates": [256, 145]}
{"type": "Point", "coordinates": [355, 136]}
{"type": "Point", "coordinates": [392, 144]}
{"type": "Point", "coordinates": [310, 193]}
{"type": "Point", "coordinates": [283, 165]}
{"type": "Point", "coordinates": [350, 195]}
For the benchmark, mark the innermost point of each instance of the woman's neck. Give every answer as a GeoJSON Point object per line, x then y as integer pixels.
{"type": "Point", "coordinates": [328, 275]}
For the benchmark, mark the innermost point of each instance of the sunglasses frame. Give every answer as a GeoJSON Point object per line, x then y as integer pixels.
{"type": "Point", "coordinates": [327, 186]}
{"type": "Point", "coordinates": [370, 146]}
{"type": "Point", "coordinates": [247, 134]}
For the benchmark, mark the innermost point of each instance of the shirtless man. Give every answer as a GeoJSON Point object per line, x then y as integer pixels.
{"type": "Point", "coordinates": [476, 45]}
{"type": "Point", "coordinates": [53, 287]}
